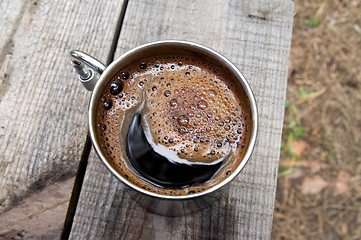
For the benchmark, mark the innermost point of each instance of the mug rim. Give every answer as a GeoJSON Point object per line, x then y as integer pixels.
{"type": "Point", "coordinates": [112, 69]}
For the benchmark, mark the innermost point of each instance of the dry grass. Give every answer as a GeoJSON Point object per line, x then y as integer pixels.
{"type": "Point", "coordinates": [324, 89]}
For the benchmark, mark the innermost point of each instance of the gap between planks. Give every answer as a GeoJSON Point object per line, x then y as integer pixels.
{"type": "Point", "coordinates": [73, 203]}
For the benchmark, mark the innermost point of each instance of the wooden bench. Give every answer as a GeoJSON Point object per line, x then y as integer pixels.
{"type": "Point", "coordinates": [43, 114]}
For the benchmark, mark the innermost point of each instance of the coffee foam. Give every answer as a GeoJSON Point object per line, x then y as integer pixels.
{"type": "Point", "coordinates": [194, 114]}
{"type": "Point", "coordinates": [192, 110]}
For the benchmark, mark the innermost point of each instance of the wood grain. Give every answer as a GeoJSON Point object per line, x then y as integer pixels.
{"type": "Point", "coordinates": [43, 120]}
{"type": "Point", "coordinates": [40, 216]}
{"type": "Point", "coordinates": [256, 36]}
{"type": "Point", "coordinates": [10, 14]}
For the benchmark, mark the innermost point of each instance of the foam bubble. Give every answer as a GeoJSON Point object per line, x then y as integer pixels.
{"type": "Point", "coordinates": [202, 104]}
{"type": "Point", "coordinates": [173, 102]}
{"type": "Point", "coordinates": [167, 93]}
{"type": "Point", "coordinates": [183, 120]}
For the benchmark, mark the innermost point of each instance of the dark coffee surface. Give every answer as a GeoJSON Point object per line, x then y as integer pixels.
{"type": "Point", "coordinates": [191, 117]}
{"type": "Point", "coordinates": [158, 168]}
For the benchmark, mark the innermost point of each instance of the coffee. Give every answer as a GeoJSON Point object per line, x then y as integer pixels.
{"type": "Point", "coordinates": [174, 124]}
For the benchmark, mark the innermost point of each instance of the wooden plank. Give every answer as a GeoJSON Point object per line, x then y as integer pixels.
{"type": "Point", "coordinates": [256, 36]}
{"type": "Point", "coordinates": [43, 120]}
{"type": "Point", "coordinates": [27, 218]}
{"type": "Point", "coordinates": [10, 15]}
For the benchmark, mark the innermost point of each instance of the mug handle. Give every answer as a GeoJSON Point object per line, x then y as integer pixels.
{"type": "Point", "coordinates": [84, 65]}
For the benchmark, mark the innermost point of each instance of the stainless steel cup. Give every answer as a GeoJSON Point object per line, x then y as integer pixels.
{"type": "Point", "coordinates": [158, 203]}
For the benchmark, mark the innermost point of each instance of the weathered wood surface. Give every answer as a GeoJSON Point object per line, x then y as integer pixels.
{"type": "Point", "coordinates": [256, 36]}
{"type": "Point", "coordinates": [40, 216]}
{"type": "Point", "coordinates": [9, 17]}
{"type": "Point", "coordinates": [43, 108]}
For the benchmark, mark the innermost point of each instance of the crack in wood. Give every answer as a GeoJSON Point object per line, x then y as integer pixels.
{"type": "Point", "coordinates": [4, 77]}
{"type": "Point", "coordinates": [256, 16]}
{"type": "Point", "coordinates": [6, 53]}
{"type": "Point", "coordinates": [87, 147]}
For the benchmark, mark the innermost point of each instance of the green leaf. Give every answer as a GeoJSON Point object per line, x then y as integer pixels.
{"type": "Point", "coordinates": [312, 22]}
{"type": "Point", "coordinates": [285, 172]}
{"type": "Point", "coordinates": [303, 93]}
{"type": "Point", "coordinates": [298, 132]}
{"type": "Point", "coordinates": [292, 124]}
{"type": "Point", "coordinates": [330, 155]}
{"type": "Point", "coordinates": [287, 103]}
{"type": "Point", "coordinates": [283, 145]}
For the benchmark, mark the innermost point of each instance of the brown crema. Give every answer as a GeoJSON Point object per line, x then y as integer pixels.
{"type": "Point", "coordinates": [193, 111]}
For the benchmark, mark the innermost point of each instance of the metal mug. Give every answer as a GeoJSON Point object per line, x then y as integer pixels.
{"type": "Point", "coordinates": [85, 66]}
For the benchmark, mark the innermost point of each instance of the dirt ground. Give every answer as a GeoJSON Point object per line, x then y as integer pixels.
{"type": "Point", "coordinates": [319, 184]}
